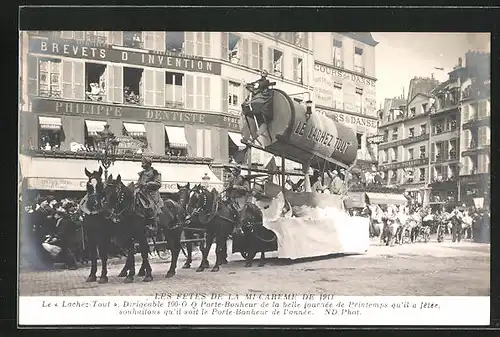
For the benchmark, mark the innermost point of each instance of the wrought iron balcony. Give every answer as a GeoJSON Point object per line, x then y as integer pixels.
{"type": "Point", "coordinates": [405, 164]}
{"type": "Point", "coordinates": [475, 150]}
{"type": "Point", "coordinates": [476, 122]}
{"type": "Point", "coordinates": [405, 141]}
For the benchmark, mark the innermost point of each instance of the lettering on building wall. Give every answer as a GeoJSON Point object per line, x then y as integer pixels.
{"type": "Point", "coordinates": [82, 51]}
{"type": "Point", "coordinates": [49, 106]}
{"type": "Point", "coordinates": [321, 137]}
{"type": "Point", "coordinates": [347, 119]}
{"type": "Point", "coordinates": [343, 75]}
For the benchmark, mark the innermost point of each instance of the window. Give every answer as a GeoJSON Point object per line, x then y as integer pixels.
{"type": "Point", "coordinates": [50, 78]}
{"type": "Point", "coordinates": [359, 137]}
{"type": "Point", "coordinates": [422, 174]}
{"type": "Point", "coordinates": [483, 137]}
{"type": "Point", "coordinates": [234, 93]}
{"type": "Point", "coordinates": [132, 83]}
{"type": "Point", "coordinates": [423, 129]}
{"type": "Point", "coordinates": [422, 152]}
{"type": "Point", "coordinates": [100, 37]}
{"type": "Point", "coordinates": [358, 60]}
{"type": "Point", "coordinates": [453, 149]}
{"type": "Point", "coordinates": [424, 108]}
{"type": "Point", "coordinates": [452, 170]}
{"type": "Point", "coordinates": [337, 95]}
{"type": "Point", "coordinates": [133, 40]}
{"type": "Point", "coordinates": [77, 35]}
{"type": "Point", "coordinates": [359, 100]}
{"type": "Point", "coordinates": [91, 131]}
{"type": "Point", "coordinates": [410, 154]}
{"type": "Point", "coordinates": [483, 163]}
{"type": "Point", "coordinates": [386, 135]}
{"type": "Point", "coordinates": [257, 61]}
{"type": "Point", "coordinates": [412, 112]}
{"type": "Point", "coordinates": [439, 126]}
{"type": "Point", "coordinates": [411, 132]}
{"type": "Point", "coordinates": [452, 123]}
{"type": "Point", "coordinates": [174, 42]}
{"type": "Point", "coordinates": [95, 81]}
{"type": "Point", "coordinates": [73, 79]}
{"type": "Point", "coordinates": [298, 69]}
{"type": "Point", "coordinates": [394, 133]}
{"type": "Point", "coordinates": [234, 48]}
{"type": "Point", "coordinates": [137, 131]}
{"type": "Point", "coordinates": [394, 154]}
{"type": "Point", "coordinates": [482, 109]}
{"type": "Point", "coordinates": [338, 60]}
{"type": "Point", "coordinates": [175, 141]}
{"type": "Point", "coordinates": [49, 133]}
{"type": "Point", "coordinates": [277, 62]}
{"type": "Point", "coordinates": [439, 152]}
{"type": "Point", "coordinates": [174, 90]}
{"type": "Point", "coordinates": [385, 157]}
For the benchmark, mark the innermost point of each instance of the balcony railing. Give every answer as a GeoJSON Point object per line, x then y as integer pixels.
{"type": "Point", "coordinates": [405, 164]}
{"type": "Point", "coordinates": [476, 122]}
{"type": "Point", "coordinates": [405, 141]}
{"type": "Point", "coordinates": [475, 150]}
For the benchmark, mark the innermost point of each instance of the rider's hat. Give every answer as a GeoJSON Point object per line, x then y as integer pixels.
{"type": "Point", "coordinates": [147, 159]}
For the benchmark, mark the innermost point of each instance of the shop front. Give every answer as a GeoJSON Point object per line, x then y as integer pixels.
{"type": "Point", "coordinates": [475, 186]}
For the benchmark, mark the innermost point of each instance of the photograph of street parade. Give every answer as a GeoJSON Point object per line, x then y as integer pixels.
{"type": "Point", "coordinates": [346, 163]}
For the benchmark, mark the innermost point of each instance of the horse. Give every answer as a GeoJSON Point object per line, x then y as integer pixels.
{"type": "Point", "coordinates": [219, 219]}
{"type": "Point", "coordinates": [134, 229]}
{"type": "Point", "coordinates": [96, 224]}
{"type": "Point", "coordinates": [252, 233]}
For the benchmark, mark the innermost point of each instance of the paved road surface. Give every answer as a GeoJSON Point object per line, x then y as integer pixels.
{"type": "Point", "coordinates": [453, 269]}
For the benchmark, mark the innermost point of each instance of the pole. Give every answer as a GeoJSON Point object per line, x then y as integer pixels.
{"type": "Point", "coordinates": [429, 155]}
{"type": "Point", "coordinates": [283, 175]}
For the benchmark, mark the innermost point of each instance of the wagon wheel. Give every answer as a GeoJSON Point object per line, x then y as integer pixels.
{"type": "Point", "coordinates": [246, 255]}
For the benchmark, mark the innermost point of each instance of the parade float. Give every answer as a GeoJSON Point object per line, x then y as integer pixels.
{"type": "Point", "coordinates": [313, 224]}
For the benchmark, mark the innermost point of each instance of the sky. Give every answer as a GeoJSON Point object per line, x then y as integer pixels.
{"type": "Point", "coordinates": [401, 56]}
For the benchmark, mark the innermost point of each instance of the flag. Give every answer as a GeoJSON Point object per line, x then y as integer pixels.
{"type": "Point", "coordinates": [240, 155]}
{"type": "Point", "coordinates": [271, 166]}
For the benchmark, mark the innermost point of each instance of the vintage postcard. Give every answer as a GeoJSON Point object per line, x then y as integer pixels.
{"type": "Point", "coordinates": [258, 178]}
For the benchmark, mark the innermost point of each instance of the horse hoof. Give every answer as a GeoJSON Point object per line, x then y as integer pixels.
{"type": "Point", "coordinates": [122, 274]}
{"type": "Point", "coordinates": [186, 265]}
{"type": "Point", "coordinates": [200, 269]}
{"type": "Point", "coordinates": [91, 278]}
{"type": "Point", "coordinates": [205, 264]}
{"type": "Point", "coordinates": [103, 279]}
{"type": "Point", "coordinates": [170, 274]}
{"type": "Point", "coordinates": [148, 278]}
{"type": "Point", "coordinates": [215, 269]}
{"type": "Point", "coordinates": [224, 261]}
{"type": "Point", "coordinates": [141, 273]}
{"type": "Point", "coordinates": [129, 279]}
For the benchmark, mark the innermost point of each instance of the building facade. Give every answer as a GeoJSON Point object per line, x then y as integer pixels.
{"type": "Point", "coordinates": [344, 83]}
{"type": "Point", "coordinates": [168, 94]}
{"type": "Point", "coordinates": [475, 128]}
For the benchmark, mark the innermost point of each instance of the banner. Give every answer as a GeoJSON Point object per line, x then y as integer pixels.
{"type": "Point", "coordinates": [253, 309]}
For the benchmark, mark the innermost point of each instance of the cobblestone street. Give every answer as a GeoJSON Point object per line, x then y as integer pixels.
{"type": "Point", "coordinates": [425, 269]}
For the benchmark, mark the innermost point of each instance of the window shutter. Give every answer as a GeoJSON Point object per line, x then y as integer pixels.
{"type": "Point", "coordinates": [116, 38]}
{"type": "Point", "coordinates": [271, 60]}
{"type": "Point", "coordinates": [117, 83]}
{"type": "Point", "coordinates": [261, 62]}
{"type": "Point", "coordinates": [487, 135]}
{"type": "Point", "coordinates": [225, 95]}
{"type": "Point", "coordinates": [189, 91]}
{"type": "Point", "coordinates": [433, 152]}
{"type": "Point", "coordinates": [245, 56]}
{"type": "Point", "coordinates": [110, 83]}
{"type": "Point", "coordinates": [207, 152]}
{"type": "Point", "coordinates": [199, 93]}
{"type": "Point", "coordinates": [465, 139]}
{"type": "Point", "coordinates": [198, 40]}
{"type": "Point", "coordinates": [160, 41]}
{"type": "Point", "coordinates": [189, 43]}
{"type": "Point", "coordinates": [78, 80]}
{"type": "Point", "coordinates": [67, 79]}
{"type": "Point", "coordinates": [206, 93]}
{"type": "Point", "coordinates": [207, 44]}
{"type": "Point", "coordinates": [159, 87]}
{"type": "Point", "coordinates": [446, 149]}
{"type": "Point", "coordinates": [149, 40]}
{"type": "Point", "coordinates": [296, 69]}
{"type": "Point", "coordinates": [225, 45]}
{"type": "Point", "coordinates": [148, 87]}
{"type": "Point", "coordinates": [32, 75]}
{"type": "Point", "coordinates": [199, 143]}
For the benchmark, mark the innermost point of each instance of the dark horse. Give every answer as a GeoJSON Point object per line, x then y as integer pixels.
{"type": "Point", "coordinates": [133, 226]}
{"type": "Point", "coordinates": [205, 208]}
{"type": "Point", "coordinates": [96, 224]}
{"type": "Point", "coordinates": [251, 235]}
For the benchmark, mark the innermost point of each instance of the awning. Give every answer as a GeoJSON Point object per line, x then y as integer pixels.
{"type": "Point", "coordinates": [176, 136]}
{"type": "Point", "coordinates": [49, 174]}
{"type": "Point", "coordinates": [50, 123]}
{"type": "Point", "coordinates": [236, 138]}
{"type": "Point", "coordinates": [135, 129]}
{"type": "Point", "coordinates": [386, 198]}
{"type": "Point", "coordinates": [93, 127]}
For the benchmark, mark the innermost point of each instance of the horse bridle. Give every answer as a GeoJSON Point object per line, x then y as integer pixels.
{"type": "Point", "coordinates": [202, 202]}
{"type": "Point", "coordinates": [120, 198]}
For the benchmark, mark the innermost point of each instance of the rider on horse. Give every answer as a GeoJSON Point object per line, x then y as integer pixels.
{"type": "Point", "coordinates": [238, 190]}
{"type": "Point", "coordinates": [147, 199]}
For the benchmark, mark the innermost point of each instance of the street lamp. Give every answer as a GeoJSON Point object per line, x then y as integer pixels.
{"type": "Point", "coordinates": [107, 149]}
{"type": "Point", "coordinates": [206, 180]}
